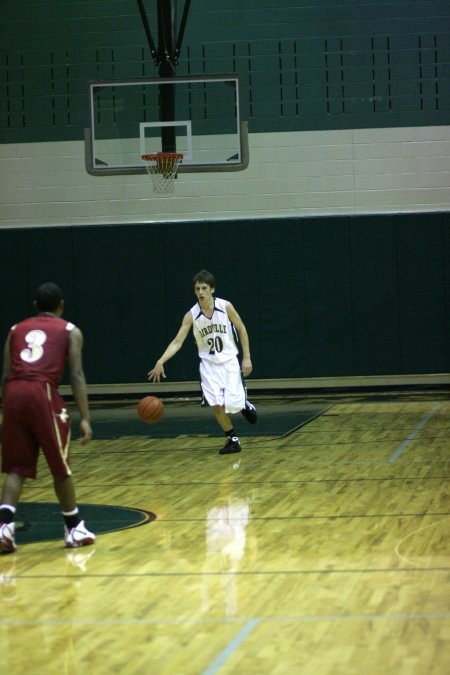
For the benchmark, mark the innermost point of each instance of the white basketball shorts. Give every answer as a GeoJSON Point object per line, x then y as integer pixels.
{"type": "Point", "coordinates": [222, 384]}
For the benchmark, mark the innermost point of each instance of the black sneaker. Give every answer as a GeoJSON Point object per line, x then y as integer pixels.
{"type": "Point", "coordinates": [249, 412]}
{"type": "Point", "coordinates": [231, 446]}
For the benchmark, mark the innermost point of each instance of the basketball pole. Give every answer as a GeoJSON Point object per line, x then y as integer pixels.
{"type": "Point", "coordinates": [166, 57]}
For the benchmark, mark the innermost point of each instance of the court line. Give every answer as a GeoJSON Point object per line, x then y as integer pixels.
{"type": "Point", "coordinates": [250, 625]}
{"type": "Point", "coordinates": [408, 536]}
{"type": "Point", "coordinates": [286, 481]}
{"type": "Point", "coordinates": [256, 573]}
{"type": "Point", "coordinates": [331, 516]}
{"type": "Point", "coordinates": [413, 434]}
{"type": "Point", "coordinates": [231, 647]}
{"type": "Point", "coordinates": [303, 424]}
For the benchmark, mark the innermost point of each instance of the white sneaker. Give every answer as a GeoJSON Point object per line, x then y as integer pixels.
{"type": "Point", "coordinates": [7, 543]}
{"type": "Point", "coordinates": [78, 536]}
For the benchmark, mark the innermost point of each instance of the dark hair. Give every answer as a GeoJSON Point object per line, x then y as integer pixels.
{"type": "Point", "coordinates": [48, 297]}
{"type": "Point", "coordinates": [205, 277]}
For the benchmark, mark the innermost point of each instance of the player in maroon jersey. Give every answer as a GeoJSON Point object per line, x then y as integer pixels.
{"type": "Point", "coordinates": [35, 415]}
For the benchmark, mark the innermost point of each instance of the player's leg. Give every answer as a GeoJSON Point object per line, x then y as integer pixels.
{"type": "Point", "coordinates": [222, 418]}
{"type": "Point", "coordinates": [12, 489]}
{"type": "Point", "coordinates": [213, 380]}
{"type": "Point", "coordinates": [65, 491]}
{"type": "Point", "coordinates": [19, 458]}
{"type": "Point", "coordinates": [249, 410]}
{"type": "Point", "coordinates": [75, 532]}
{"type": "Point", "coordinates": [235, 394]}
{"type": "Point", "coordinates": [53, 433]}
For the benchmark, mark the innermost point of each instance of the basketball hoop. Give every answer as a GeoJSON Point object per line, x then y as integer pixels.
{"type": "Point", "coordinates": [162, 168]}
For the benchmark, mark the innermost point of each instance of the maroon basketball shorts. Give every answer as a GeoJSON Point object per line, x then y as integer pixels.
{"type": "Point", "coordinates": [34, 416]}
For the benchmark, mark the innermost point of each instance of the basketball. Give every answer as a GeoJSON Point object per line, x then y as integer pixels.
{"type": "Point", "coordinates": [150, 409]}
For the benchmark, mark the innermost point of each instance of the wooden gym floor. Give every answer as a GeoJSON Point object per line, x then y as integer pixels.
{"type": "Point", "coordinates": [321, 549]}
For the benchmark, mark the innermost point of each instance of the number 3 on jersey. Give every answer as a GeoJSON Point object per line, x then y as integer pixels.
{"type": "Point", "coordinates": [215, 345]}
{"type": "Point", "coordinates": [34, 339]}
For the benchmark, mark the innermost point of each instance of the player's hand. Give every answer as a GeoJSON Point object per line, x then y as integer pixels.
{"type": "Point", "coordinates": [246, 367]}
{"type": "Point", "coordinates": [157, 372]}
{"type": "Point", "coordinates": [85, 432]}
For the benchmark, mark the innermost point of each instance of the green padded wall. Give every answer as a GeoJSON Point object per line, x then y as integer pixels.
{"type": "Point", "coordinates": [421, 290]}
{"type": "Point", "coordinates": [321, 297]}
{"type": "Point", "coordinates": [375, 303]}
{"type": "Point", "coordinates": [327, 275]}
{"type": "Point", "coordinates": [280, 298]}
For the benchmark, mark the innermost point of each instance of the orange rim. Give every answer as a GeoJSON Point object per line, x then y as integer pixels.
{"type": "Point", "coordinates": [162, 155]}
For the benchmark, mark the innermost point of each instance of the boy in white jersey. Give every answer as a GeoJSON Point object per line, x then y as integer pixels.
{"type": "Point", "coordinates": [213, 321]}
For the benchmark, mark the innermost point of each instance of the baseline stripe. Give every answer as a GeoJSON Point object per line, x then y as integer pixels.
{"type": "Point", "coordinates": [412, 435]}
{"type": "Point", "coordinates": [245, 631]}
{"type": "Point", "coordinates": [231, 647]}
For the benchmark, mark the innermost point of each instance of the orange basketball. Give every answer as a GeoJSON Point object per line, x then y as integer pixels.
{"type": "Point", "coordinates": [150, 409]}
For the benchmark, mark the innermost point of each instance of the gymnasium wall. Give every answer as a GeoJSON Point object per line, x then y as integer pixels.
{"type": "Point", "coordinates": [347, 103]}
{"type": "Point", "coordinates": [399, 169]}
{"type": "Point", "coordinates": [321, 296]}
{"type": "Point", "coordinates": [304, 64]}
{"type": "Point", "coordinates": [333, 244]}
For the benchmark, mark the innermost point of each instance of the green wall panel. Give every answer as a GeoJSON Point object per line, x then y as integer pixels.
{"type": "Point", "coordinates": [15, 298]}
{"type": "Point", "coordinates": [50, 252]}
{"type": "Point", "coordinates": [333, 65]}
{"type": "Point", "coordinates": [422, 293]}
{"type": "Point", "coordinates": [328, 297]}
{"type": "Point", "coordinates": [375, 298]}
{"type": "Point", "coordinates": [234, 263]}
{"type": "Point", "coordinates": [97, 282]}
{"type": "Point", "coordinates": [281, 299]}
{"type": "Point", "coordinates": [446, 229]}
{"type": "Point", "coordinates": [187, 251]}
{"type": "Point", "coordinates": [142, 295]}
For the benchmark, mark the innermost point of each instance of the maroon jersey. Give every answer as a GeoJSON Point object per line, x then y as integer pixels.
{"type": "Point", "coordinates": [39, 347]}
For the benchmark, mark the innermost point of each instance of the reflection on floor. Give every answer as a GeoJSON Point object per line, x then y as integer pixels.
{"type": "Point", "coordinates": [321, 549]}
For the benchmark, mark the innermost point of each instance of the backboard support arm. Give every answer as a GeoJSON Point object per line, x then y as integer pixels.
{"type": "Point", "coordinates": [148, 32]}
{"type": "Point", "coordinates": [180, 37]}
{"type": "Point", "coordinates": [167, 54]}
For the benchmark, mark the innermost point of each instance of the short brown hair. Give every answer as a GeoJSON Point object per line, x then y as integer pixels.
{"type": "Point", "coordinates": [205, 277]}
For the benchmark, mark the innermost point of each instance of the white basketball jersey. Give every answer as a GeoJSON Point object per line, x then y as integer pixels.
{"type": "Point", "coordinates": [214, 336]}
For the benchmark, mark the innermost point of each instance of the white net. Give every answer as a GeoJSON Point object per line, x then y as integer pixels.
{"type": "Point", "coordinates": [162, 169]}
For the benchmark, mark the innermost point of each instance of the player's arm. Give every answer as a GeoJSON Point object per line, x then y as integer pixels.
{"type": "Point", "coordinates": [78, 383]}
{"type": "Point", "coordinates": [243, 337]}
{"type": "Point", "coordinates": [158, 370]}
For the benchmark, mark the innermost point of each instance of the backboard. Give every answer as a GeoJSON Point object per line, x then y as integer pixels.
{"type": "Point", "coordinates": [199, 116]}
